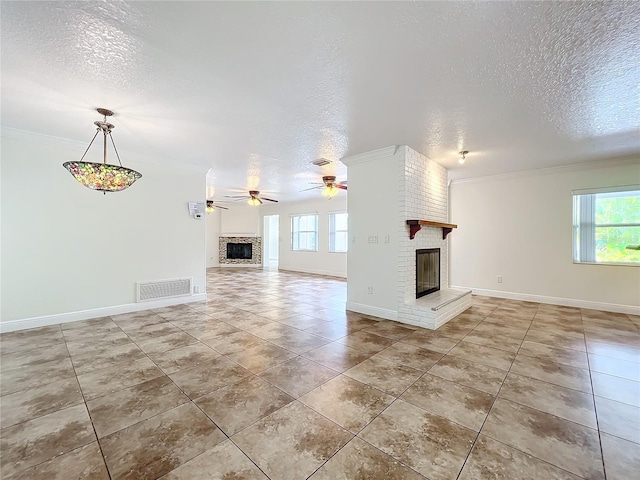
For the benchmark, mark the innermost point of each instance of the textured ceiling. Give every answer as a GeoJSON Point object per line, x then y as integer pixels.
{"type": "Point", "coordinates": [256, 91]}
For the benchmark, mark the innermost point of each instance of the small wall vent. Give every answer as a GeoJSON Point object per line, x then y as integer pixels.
{"type": "Point", "coordinates": [179, 287]}
{"type": "Point", "coordinates": [321, 162]}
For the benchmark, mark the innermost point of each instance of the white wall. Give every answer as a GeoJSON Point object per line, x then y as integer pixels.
{"type": "Point", "coordinates": [374, 181]}
{"type": "Point", "coordinates": [321, 262]}
{"type": "Point", "coordinates": [213, 237]}
{"type": "Point", "coordinates": [240, 219]}
{"type": "Point", "coordinates": [67, 249]}
{"type": "Point", "coordinates": [520, 227]}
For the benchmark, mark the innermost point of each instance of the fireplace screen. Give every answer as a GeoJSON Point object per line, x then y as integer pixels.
{"type": "Point", "coordinates": [239, 251]}
{"type": "Point", "coordinates": [427, 271]}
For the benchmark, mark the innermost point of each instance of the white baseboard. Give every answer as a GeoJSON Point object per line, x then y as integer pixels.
{"type": "Point", "coordinates": [373, 311]}
{"type": "Point", "coordinates": [326, 273]}
{"type": "Point", "coordinates": [34, 322]}
{"type": "Point", "coordinates": [567, 302]}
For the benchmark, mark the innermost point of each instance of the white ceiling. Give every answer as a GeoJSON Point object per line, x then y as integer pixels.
{"type": "Point", "coordinates": [256, 91]}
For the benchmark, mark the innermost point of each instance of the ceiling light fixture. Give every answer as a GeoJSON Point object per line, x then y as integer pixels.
{"type": "Point", "coordinates": [463, 155]}
{"type": "Point", "coordinates": [329, 191]}
{"type": "Point", "coordinates": [254, 201]}
{"type": "Point", "coordinates": [102, 177]}
{"type": "Point", "coordinates": [210, 207]}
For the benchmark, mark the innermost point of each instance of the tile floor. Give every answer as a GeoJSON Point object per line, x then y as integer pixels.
{"type": "Point", "coordinates": [272, 379]}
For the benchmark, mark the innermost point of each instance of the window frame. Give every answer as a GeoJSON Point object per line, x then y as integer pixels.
{"type": "Point", "coordinates": [584, 225]}
{"type": "Point", "coordinates": [294, 232]}
{"type": "Point", "coordinates": [333, 231]}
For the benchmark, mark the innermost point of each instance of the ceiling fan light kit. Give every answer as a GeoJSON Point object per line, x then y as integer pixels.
{"type": "Point", "coordinates": [102, 177]}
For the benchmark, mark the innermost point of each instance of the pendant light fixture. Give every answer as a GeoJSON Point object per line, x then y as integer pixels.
{"type": "Point", "coordinates": [102, 177]}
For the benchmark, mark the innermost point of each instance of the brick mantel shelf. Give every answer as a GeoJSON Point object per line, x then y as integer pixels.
{"type": "Point", "coordinates": [416, 225]}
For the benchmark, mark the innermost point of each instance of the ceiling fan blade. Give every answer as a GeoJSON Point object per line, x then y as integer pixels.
{"type": "Point", "coordinates": [312, 188]}
{"type": "Point", "coordinates": [223, 208]}
{"type": "Point", "coordinates": [260, 200]}
{"type": "Point", "coordinates": [236, 196]}
{"type": "Point", "coordinates": [343, 187]}
{"type": "Point", "coordinates": [269, 199]}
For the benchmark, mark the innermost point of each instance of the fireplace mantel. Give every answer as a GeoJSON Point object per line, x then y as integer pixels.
{"type": "Point", "coordinates": [416, 225]}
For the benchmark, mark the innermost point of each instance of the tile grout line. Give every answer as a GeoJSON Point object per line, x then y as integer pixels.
{"type": "Point", "coordinates": [475, 441]}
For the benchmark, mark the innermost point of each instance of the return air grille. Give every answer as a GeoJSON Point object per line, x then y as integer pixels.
{"type": "Point", "coordinates": [178, 287]}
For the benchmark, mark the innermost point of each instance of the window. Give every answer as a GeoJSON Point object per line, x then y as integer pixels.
{"type": "Point", "coordinates": [338, 235]}
{"type": "Point", "coordinates": [606, 225]}
{"type": "Point", "coordinates": [304, 232]}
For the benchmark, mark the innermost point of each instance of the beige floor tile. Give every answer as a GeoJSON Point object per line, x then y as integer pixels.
{"type": "Point", "coordinates": [262, 357]}
{"type": "Point", "coordinates": [122, 409]}
{"type": "Point", "coordinates": [622, 352]}
{"type": "Point", "coordinates": [493, 340]}
{"type": "Point", "coordinates": [457, 328]}
{"type": "Point", "coordinates": [556, 340]}
{"type": "Point", "coordinates": [108, 356]}
{"type": "Point", "coordinates": [366, 342]}
{"type": "Point", "coordinates": [573, 358]}
{"type": "Point", "coordinates": [299, 342]}
{"type": "Point", "coordinates": [36, 375]}
{"type": "Point", "coordinates": [491, 460]}
{"type": "Point", "coordinates": [84, 463]}
{"type": "Point", "coordinates": [464, 405]}
{"type": "Point", "coordinates": [430, 444]}
{"type": "Point", "coordinates": [224, 461]}
{"type": "Point", "coordinates": [616, 388]}
{"type": "Point", "coordinates": [111, 379]}
{"type": "Point", "coordinates": [32, 358]}
{"type": "Point", "coordinates": [35, 441]}
{"type": "Point", "coordinates": [430, 340]}
{"type": "Point", "coordinates": [347, 402]}
{"type": "Point", "coordinates": [159, 444]}
{"type": "Point", "coordinates": [358, 459]}
{"type": "Point", "coordinates": [491, 357]}
{"type": "Point", "coordinates": [337, 356]}
{"type": "Point", "coordinates": [390, 329]}
{"type": "Point", "coordinates": [184, 357]}
{"type": "Point", "coordinates": [331, 330]}
{"type": "Point", "coordinates": [551, 372]}
{"type": "Point", "coordinates": [208, 377]}
{"type": "Point", "coordinates": [238, 405]}
{"type": "Point", "coordinates": [474, 375]}
{"type": "Point", "coordinates": [384, 375]}
{"type": "Point", "coordinates": [559, 401]}
{"type": "Point", "coordinates": [293, 439]}
{"type": "Point", "coordinates": [210, 330]}
{"type": "Point", "coordinates": [622, 458]}
{"type": "Point", "coordinates": [560, 442]}
{"type": "Point", "coordinates": [273, 330]}
{"type": "Point", "coordinates": [154, 346]}
{"type": "Point", "coordinates": [233, 343]}
{"type": "Point", "coordinates": [298, 376]}
{"type": "Point", "coordinates": [154, 331]}
{"type": "Point", "coordinates": [618, 419]}
{"type": "Point", "coordinates": [28, 404]}
{"type": "Point", "coordinates": [410, 356]}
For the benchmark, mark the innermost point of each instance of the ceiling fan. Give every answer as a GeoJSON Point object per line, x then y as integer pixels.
{"type": "Point", "coordinates": [329, 186]}
{"type": "Point", "coordinates": [211, 206]}
{"type": "Point", "coordinates": [254, 198]}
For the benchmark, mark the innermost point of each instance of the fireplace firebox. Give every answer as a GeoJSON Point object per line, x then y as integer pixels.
{"type": "Point", "coordinates": [239, 250]}
{"type": "Point", "coordinates": [427, 271]}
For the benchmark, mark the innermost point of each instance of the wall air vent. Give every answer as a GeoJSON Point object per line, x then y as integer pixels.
{"type": "Point", "coordinates": [321, 162]}
{"type": "Point", "coordinates": [179, 287]}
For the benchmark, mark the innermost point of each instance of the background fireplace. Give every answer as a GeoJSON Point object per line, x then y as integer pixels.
{"type": "Point", "coordinates": [239, 250]}
{"type": "Point", "coordinates": [427, 271]}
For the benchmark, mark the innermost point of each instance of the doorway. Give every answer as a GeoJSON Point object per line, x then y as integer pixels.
{"type": "Point", "coordinates": [271, 239]}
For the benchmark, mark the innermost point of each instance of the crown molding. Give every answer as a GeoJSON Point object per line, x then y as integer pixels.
{"type": "Point", "coordinates": [574, 167]}
{"type": "Point", "coordinates": [372, 155]}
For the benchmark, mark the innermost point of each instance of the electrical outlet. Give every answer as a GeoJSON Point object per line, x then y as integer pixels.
{"type": "Point", "coordinates": [373, 238]}
{"type": "Point", "coordinates": [386, 239]}
{"type": "Point", "coordinates": [370, 290]}
{"type": "Point", "coordinates": [353, 239]}
{"type": "Point", "coordinates": [499, 278]}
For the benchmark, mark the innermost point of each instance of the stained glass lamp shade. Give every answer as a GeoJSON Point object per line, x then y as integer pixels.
{"type": "Point", "coordinates": [102, 177]}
